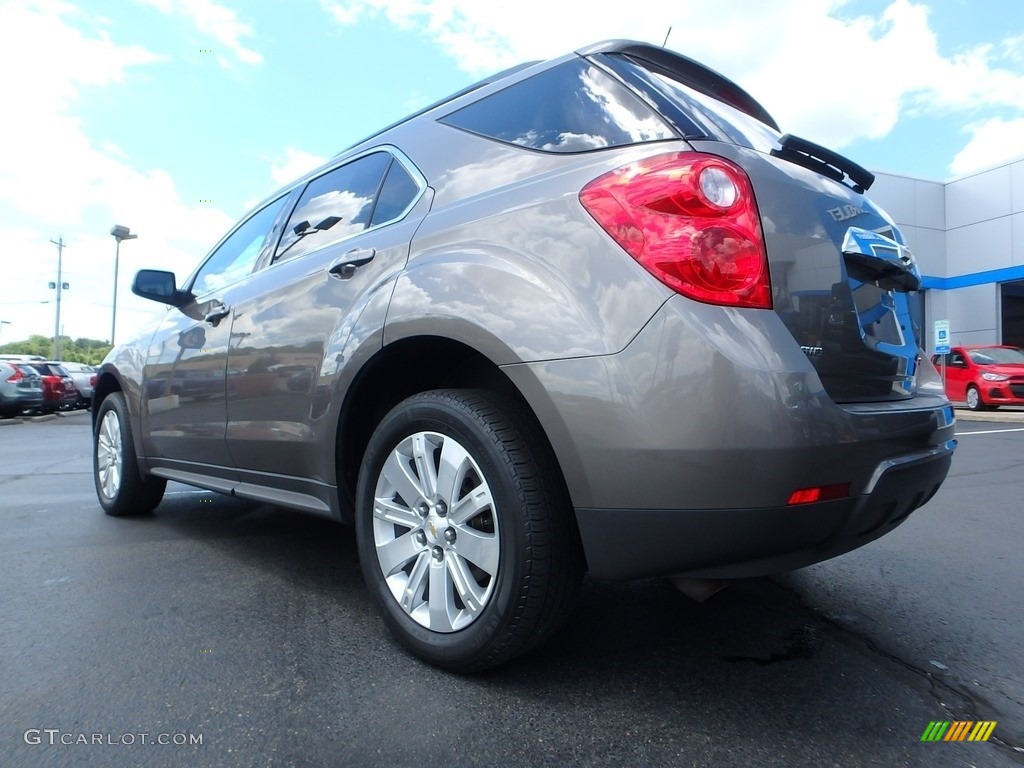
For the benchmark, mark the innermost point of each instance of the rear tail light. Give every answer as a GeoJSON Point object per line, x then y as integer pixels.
{"type": "Point", "coordinates": [92, 380]}
{"type": "Point", "coordinates": [691, 220]}
{"type": "Point", "coordinates": [16, 376]}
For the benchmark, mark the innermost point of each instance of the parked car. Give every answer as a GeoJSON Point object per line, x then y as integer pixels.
{"type": "Point", "coordinates": [984, 376]}
{"type": "Point", "coordinates": [593, 313]}
{"type": "Point", "coordinates": [58, 387]}
{"type": "Point", "coordinates": [84, 377]}
{"type": "Point", "coordinates": [21, 389]}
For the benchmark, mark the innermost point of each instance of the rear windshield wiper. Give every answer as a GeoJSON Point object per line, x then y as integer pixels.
{"type": "Point", "coordinates": [824, 161]}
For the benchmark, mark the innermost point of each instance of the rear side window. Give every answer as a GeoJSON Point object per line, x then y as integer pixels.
{"type": "Point", "coordinates": [573, 107]}
{"type": "Point", "coordinates": [397, 193]}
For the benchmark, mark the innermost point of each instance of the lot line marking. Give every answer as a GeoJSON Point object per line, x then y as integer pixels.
{"type": "Point", "coordinates": [991, 431]}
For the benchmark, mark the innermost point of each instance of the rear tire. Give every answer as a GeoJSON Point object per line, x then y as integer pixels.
{"type": "Point", "coordinates": [466, 535]}
{"type": "Point", "coordinates": [122, 490]}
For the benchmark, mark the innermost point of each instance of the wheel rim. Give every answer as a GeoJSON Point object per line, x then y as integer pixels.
{"type": "Point", "coordinates": [973, 400]}
{"type": "Point", "coordinates": [108, 455]}
{"type": "Point", "coordinates": [435, 532]}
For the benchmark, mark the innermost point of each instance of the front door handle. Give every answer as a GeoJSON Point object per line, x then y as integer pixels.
{"type": "Point", "coordinates": [346, 266]}
{"type": "Point", "coordinates": [217, 314]}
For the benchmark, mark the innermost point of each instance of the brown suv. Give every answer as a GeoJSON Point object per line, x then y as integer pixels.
{"type": "Point", "coordinates": [594, 313]}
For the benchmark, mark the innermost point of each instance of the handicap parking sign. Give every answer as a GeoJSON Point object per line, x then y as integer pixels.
{"type": "Point", "coordinates": [942, 337]}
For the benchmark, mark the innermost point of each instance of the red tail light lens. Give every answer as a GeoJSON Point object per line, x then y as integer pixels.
{"type": "Point", "coordinates": [691, 220]}
{"type": "Point", "coordinates": [16, 376]}
{"type": "Point", "coordinates": [92, 380]}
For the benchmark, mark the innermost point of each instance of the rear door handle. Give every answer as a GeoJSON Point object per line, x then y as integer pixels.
{"type": "Point", "coordinates": [216, 315]}
{"type": "Point", "coordinates": [346, 266]}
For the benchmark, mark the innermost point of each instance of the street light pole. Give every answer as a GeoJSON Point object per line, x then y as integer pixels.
{"type": "Point", "coordinates": [119, 233]}
{"type": "Point", "coordinates": [59, 242]}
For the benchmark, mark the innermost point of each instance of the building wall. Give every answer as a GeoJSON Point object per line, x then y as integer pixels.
{"type": "Point", "coordinates": [968, 237]}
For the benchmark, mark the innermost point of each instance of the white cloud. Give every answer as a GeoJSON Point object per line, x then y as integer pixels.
{"type": "Point", "coordinates": [992, 141]}
{"type": "Point", "coordinates": [217, 21]}
{"type": "Point", "coordinates": [56, 180]}
{"type": "Point", "coordinates": [831, 78]}
{"type": "Point", "coordinates": [294, 164]}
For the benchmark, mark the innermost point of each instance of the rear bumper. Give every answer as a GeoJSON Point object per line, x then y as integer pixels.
{"type": "Point", "coordinates": [681, 452]}
{"type": "Point", "coordinates": [742, 543]}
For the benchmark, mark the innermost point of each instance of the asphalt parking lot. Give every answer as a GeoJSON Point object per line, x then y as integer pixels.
{"type": "Point", "coordinates": [248, 628]}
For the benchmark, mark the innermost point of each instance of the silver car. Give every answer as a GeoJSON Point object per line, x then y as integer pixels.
{"type": "Point", "coordinates": [593, 314]}
{"type": "Point", "coordinates": [21, 388]}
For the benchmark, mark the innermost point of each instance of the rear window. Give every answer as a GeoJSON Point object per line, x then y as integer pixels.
{"type": "Point", "coordinates": [572, 107]}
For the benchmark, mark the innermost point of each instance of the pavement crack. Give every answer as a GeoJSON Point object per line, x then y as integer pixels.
{"type": "Point", "coordinates": [970, 702]}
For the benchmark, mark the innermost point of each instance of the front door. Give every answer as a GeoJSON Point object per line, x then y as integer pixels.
{"type": "Point", "coordinates": [184, 388]}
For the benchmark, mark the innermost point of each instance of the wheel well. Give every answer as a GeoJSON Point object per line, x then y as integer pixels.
{"type": "Point", "coordinates": [105, 384]}
{"type": "Point", "coordinates": [398, 371]}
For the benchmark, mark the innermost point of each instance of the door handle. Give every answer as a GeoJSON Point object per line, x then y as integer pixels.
{"type": "Point", "coordinates": [216, 315]}
{"type": "Point", "coordinates": [346, 266]}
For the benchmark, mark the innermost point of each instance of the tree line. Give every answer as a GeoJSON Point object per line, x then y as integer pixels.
{"type": "Point", "coordinates": [88, 351]}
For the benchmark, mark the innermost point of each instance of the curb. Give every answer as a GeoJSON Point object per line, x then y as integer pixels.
{"type": "Point", "coordinates": [45, 417]}
{"type": "Point", "coordinates": [1012, 417]}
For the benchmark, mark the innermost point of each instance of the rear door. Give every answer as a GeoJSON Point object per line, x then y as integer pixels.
{"type": "Point", "coordinates": [333, 269]}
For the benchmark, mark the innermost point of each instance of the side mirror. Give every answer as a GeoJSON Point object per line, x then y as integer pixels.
{"type": "Point", "coordinates": [157, 285]}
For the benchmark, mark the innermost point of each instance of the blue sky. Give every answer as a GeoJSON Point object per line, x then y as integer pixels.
{"type": "Point", "coordinates": [173, 117]}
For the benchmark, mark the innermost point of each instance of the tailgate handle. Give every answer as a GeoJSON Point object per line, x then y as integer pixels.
{"type": "Point", "coordinates": [874, 258]}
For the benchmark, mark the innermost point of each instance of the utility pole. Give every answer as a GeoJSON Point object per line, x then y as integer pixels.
{"type": "Point", "coordinates": [56, 326]}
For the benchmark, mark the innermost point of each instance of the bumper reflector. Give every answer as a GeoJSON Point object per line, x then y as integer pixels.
{"type": "Point", "coordinates": [819, 493]}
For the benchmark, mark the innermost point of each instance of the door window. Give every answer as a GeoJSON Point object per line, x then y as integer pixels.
{"type": "Point", "coordinates": [334, 206]}
{"type": "Point", "coordinates": [234, 258]}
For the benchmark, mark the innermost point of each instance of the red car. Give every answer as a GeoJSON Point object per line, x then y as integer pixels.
{"type": "Point", "coordinates": [59, 389]}
{"type": "Point", "coordinates": [984, 376]}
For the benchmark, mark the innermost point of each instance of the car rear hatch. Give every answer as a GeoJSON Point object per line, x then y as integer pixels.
{"type": "Point", "coordinates": [842, 279]}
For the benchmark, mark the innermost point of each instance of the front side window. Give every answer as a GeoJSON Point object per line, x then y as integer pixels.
{"type": "Point", "coordinates": [334, 206]}
{"type": "Point", "coordinates": [573, 107]}
{"type": "Point", "coordinates": [236, 256]}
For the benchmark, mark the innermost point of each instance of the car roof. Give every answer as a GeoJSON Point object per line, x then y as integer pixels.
{"type": "Point", "coordinates": [693, 73]}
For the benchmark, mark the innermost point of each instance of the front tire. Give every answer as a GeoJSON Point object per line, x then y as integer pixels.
{"type": "Point", "coordinates": [122, 490]}
{"type": "Point", "coordinates": [974, 402]}
{"type": "Point", "coordinates": [465, 532]}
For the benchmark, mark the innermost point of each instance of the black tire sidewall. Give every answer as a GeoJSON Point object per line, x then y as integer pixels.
{"type": "Point", "coordinates": [464, 648]}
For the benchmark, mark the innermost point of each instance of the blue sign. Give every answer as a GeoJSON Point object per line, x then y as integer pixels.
{"type": "Point", "coordinates": [942, 337]}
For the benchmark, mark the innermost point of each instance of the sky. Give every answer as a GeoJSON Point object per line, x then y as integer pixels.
{"type": "Point", "coordinates": [174, 117]}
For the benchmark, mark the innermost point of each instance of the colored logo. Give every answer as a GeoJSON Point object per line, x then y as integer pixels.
{"type": "Point", "coordinates": [958, 730]}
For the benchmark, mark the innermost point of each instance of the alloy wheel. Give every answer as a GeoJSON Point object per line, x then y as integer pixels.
{"type": "Point", "coordinates": [109, 455]}
{"type": "Point", "coordinates": [435, 532]}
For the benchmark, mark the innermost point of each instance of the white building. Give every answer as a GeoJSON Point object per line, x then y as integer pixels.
{"type": "Point", "coordinates": [968, 237]}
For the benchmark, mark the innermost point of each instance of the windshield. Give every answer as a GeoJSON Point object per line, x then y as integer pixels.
{"type": "Point", "coordinates": [997, 356]}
